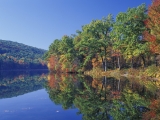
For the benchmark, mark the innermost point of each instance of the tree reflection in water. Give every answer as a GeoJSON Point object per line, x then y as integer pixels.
{"type": "Point", "coordinates": [105, 99]}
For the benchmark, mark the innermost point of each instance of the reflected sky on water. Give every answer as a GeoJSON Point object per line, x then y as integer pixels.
{"type": "Point", "coordinates": [32, 105]}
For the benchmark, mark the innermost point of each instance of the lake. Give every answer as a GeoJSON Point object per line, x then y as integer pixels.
{"type": "Point", "coordinates": [39, 95]}
{"type": "Point", "coordinates": [23, 97]}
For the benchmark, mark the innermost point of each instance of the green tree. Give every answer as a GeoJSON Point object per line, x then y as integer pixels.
{"type": "Point", "coordinates": [127, 32]}
{"type": "Point", "coordinates": [95, 39]}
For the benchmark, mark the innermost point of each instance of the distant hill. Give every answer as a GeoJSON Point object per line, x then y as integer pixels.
{"type": "Point", "coordinates": [15, 55]}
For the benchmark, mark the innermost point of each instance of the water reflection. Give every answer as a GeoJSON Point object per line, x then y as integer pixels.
{"type": "Point", "coordinates": [63, 88]}
{"type": "Point", "coordinates": [106, 98]}
{"type": "Point", "coordinates": [14, 83]}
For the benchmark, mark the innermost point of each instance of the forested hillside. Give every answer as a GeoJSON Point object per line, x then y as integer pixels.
{"type": "Point", "coordinates": [15, 55]}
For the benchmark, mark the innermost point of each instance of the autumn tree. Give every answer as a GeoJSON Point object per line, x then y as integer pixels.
{"type": "Point", "coordinates": [52, 56]}
{"type": "Point", "coordinates": [68, 53]}
{"type": "Point", "coordinates": [127, 32]}
{"type": "Point", "coordinates": [96, 39]}
{"type": "Point", "coordinates": [153, 24]}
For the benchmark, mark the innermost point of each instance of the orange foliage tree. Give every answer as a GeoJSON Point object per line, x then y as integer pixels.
{"type": "Point", "coordinates": [153, 25]}
{"type": "Point", "coordinates": [53, 63]}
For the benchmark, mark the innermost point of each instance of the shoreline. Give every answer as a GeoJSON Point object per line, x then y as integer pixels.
{"type": "Point", "coordinates": [128, 73]}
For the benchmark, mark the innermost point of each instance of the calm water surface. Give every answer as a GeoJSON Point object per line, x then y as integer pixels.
{"type": "Point", "coordinates": [38, 95]}
{"type": "Point", "coordinates": [23, 97]}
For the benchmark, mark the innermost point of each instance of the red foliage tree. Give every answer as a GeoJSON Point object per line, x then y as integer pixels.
{"type": "Point", "coordinates": [53, 64]}
{"type": "Point", "coordinates": [153, 25]}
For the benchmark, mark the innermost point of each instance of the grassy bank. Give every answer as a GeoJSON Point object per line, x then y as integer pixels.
{"type": "Point", "coordinates": [151, 72]}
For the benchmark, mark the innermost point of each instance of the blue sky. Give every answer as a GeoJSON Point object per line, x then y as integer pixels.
{"type": "Point", "coordinates": [39, 22]}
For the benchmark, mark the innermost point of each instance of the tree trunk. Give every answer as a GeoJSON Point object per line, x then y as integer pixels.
{"type": "Point", "coordinates": [105, 61]}
{"type": "Point", "coordinates": [119, 84]}
{"type": "Point", "coordinates": [105, 82]}
{"type": "Point", "coordinates": [119, 66]}
{"type": "Point", "coordinates": [105, 65]}
{"type": "Point", "coordinates": [102, 62]}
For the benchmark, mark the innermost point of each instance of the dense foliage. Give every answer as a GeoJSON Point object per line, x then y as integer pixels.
{"type": "Point", "coordinates": [15, 55]}
{"type": "Point", "coordinates": [153, 24]}
{"type": "Point", "coordinates": [132, 40]}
